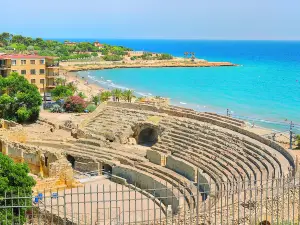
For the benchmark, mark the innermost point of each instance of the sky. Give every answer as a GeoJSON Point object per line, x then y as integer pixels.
{"type": "Point", "coordinates": [153, 19]}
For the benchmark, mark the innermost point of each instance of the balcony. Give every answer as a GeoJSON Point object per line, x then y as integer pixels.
{"type": "Point", "coordinates": [52, 75]}
{"type": "Point", "coordinates": [50, 85]}
{"type": "Point", "coordinates": [4, 67]}
{"type": "Point", "coordinates": [52, 65]}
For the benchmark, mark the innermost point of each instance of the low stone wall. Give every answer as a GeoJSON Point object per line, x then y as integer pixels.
{"type": "Point", "coordinates": [156, 157]}
{"type": "Point", "coordinates": [182, 167]}
{"type": "Point", "coordinates": [87, 167]}
{"type": "Point", "coordinates": [6, 124]}
{"type": "Point", "coordinates": [145, 181]}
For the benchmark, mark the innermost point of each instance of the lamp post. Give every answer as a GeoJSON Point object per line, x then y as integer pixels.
{"type": "Point", "coordinates": [291, 134]}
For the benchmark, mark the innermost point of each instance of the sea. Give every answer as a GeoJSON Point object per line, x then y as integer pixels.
{"type": "Point", "coordinates": [264, 89]}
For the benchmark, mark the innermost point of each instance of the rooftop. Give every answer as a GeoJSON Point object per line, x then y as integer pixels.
{"type": "Point", "coordinates": [22, 56]}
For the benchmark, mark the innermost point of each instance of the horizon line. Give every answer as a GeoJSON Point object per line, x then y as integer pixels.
{"type": "Point", "coordinates": [167, 39]}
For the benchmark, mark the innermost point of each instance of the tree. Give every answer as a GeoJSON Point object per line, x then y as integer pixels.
{"type": "Point", "coordinates": [298, 141]}
{"type": "Point", "coordinates": [128, 95]}
{"type": "Point", "coordinates": [72, 86]}
{"type": "Point", "coordinates": [19, 100]}
{"type": "Point", "coordinates": [60, 81]}
{"type": "Point", "coordinates": [82, 95]}
{"type": "Point", "coordinates": [30, 48]}
{"type": "Point", "coordinates": [112, 58]}
{"type": "Point", "coordinates": [14, 181]}
{"type": "Point", "coordinates": [117, 94]}
{"type": "Point", "coordinates": [94, 54]}
{"type": "Point", "coordinates": [60, 92]}
{"type": "Point", "coordinates": [104, 96]}
{"type": "Point", "coordinates": [193, 56]}
{"type": "Point", "coordinates": [96, 99]}
{"type": "Point", "coordinates": [165, 57]}
{"type": "Point", "coordinates": [75, 104]}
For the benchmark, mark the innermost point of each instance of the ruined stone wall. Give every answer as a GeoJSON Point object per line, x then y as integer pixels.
{"type": "Point", "coordinates": [145, 181]}
{"type": "Point", "coordinates": [6, 124]}
{"type": "Point", "coordinates": [38, 159]}
{"type": "Point", "coordinates": [182, 167]}
{"type": "Point", "coordinates": [156, 157]}
{"type": "Point", "coordinates": [201, 117]}
{"type": "Point", "coordinates": [87, 166]}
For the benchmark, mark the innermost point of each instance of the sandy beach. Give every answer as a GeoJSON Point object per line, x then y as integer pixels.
{"type": "Point", "coordinates": [83, 85]}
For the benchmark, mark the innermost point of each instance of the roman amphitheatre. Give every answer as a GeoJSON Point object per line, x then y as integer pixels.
{"type": "Point", "coordinates": [172, 163]}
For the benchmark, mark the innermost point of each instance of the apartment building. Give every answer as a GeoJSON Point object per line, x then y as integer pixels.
{"type": "Point", "coordinates": [38, 70]}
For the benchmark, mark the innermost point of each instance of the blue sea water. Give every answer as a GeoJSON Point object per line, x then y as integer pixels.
{"type": "Point", "coordinates": [265, 87]}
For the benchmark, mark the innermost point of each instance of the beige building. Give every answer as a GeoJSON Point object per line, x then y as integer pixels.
{"type": "Point", "coordinates": [38, 70]}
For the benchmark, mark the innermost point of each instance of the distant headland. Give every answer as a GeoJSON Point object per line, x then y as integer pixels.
{"type": "Point", "coordinates": [78, 56]}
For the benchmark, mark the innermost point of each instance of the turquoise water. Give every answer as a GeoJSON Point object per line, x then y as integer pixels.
{"type": "Point", "coordinates": [266, 87]}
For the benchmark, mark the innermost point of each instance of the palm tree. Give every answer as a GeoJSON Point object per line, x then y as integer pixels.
{"type": "Point", "coordinates": [72, 86]}
{"type": "Point", "coordinates": [128, 95]}
{"type": "Point", "coordinates": [96, 99]}
{"type": "Point", "coordinates": [193, 56]}
{"type": "Point", "coordinates": [117, 94]}
{"type": "Point", "coordinates": [104, 96]}
{"type": "Point", "coordinates": [60, 81]}
{"type": "Point", "coordinates": [185, 54]}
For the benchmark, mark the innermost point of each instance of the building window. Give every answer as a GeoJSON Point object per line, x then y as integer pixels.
{"type": "Point", "coordinates": [23, 62]}
{"type": "Point", "coordinates": [32, 72]}
{"type": "Point", "coordinates": [14, 71]}
{"type": "Point", "coordinates": [13, 62]}
{"type": "Point", "coordinates": [42, 61]}
{"type": "Point", "coordinates": [33, 81]}
{"type": "Point", "coordinates": [32, 61]}
{"type": "Point", "coordinates": [42, 71]}
{"type": "Point", "coordinates": [23, 72]}
{"type": "Point", "coordinates": [41, 81]}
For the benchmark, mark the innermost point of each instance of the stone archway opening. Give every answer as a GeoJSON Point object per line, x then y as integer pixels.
{"type": "Point", "coordinates": [71, 159]}
{"type": "Point", "coordinates": [107, 168]}
{"type": "Point", "coordinates": [148, 136]}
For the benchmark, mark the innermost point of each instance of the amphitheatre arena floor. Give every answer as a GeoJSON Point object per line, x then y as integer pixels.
{"type": "Point", "coordinates": [104, 202]}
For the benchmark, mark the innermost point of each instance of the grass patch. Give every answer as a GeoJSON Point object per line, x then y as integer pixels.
{"type": "Point", "coordinates": [154, 119]}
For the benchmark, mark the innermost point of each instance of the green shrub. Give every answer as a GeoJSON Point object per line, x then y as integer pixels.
{"type": "Point", "coordinates": [81, 95]}
{"type": "Point", "coordinates": [14, 180]}
{"type": "Point", "coordinates": [91, 107]}
{"type": "Point", "coordinates": [165, 57]}
{"type": "Point", "coordinates": [61, 91]}
{"type": "Point", "coordinates": [112, 58]}
{"type": "Point", "coordinates": [23, 114]}
{"type": "Point", "coordinates": [75, 104]}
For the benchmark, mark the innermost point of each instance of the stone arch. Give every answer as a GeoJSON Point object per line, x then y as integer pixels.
{"type": "Point", "coordinates": [107, 168]}
{"type": "Point", "coordinates": [147, 134]}
{"type": "Point", "coordinates": [72, 160]}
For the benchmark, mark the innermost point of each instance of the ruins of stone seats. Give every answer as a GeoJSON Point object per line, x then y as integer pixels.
{"type": "Point", "coordinates": [158, 147]}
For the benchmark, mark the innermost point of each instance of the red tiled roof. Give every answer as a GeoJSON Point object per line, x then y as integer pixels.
{"type": "Point", "coordinates": [20, 56]}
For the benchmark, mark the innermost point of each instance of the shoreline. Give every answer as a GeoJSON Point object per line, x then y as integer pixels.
{"type": "Point", "coordinates": [83, 66]}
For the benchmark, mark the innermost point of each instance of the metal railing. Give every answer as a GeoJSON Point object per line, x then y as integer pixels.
{"type": "Point", "coordinates": [102, 201]}
{"type": "Point", "coordinates": [52, 65]}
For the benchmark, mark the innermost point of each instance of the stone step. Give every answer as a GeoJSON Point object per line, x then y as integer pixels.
{"type": "Point", "coordinates": [180, 190]}
{"type": "Point", "coordinates": [132, 157]}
